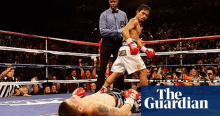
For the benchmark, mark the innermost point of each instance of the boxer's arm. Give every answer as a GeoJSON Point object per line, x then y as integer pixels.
{"type": "Point", "coordinates": [149, 51]}
{"type": "Point", "coordinates": [131, 25]}
{"type": "Point", "coordinates": [134, 49]}
{"type": "Point", "coordinates": [101, 109]}
{"type": "Point", "coordinates": [139, 43]}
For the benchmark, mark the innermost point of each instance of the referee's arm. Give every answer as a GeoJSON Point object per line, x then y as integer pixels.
{"type": "Point", "coordinates": [5, 72]}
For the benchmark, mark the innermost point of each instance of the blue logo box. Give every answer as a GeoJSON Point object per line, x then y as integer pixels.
{"type": "Point", "coordinates": [180, 100]}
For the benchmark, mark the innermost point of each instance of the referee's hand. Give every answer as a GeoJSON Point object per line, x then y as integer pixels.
{"type": "Point", "coordinates": [10, 68]}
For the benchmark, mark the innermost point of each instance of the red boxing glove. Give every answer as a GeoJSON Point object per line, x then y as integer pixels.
{"type": "Point", "coordinates": [134, 49]}
{"type": "Point", "coordinates": [131, 93]}
{"type": "Point", "coordinates": [149, 51]}
{"type": "Point", "coordinates": [79, 92]}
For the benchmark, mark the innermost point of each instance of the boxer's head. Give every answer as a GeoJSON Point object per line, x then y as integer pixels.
{"type": "Point", "coordinates": [70, 107]}
{"type": "Point", "coordinates": [142, 12]}
{"type": "Point", "coordinates": [113, 4]}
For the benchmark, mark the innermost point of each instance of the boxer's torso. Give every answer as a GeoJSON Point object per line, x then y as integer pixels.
{"type": "Point", "coordinates": [136, 31]}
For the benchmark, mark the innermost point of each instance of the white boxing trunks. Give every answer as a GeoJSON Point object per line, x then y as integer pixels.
{"type": "Point", "coordinates": [126, 61]}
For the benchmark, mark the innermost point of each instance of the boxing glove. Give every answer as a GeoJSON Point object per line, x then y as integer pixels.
{"type": "Point", "coordinates": [131, 96]}
{"type": "Point", "coordinates": [134, 48]}
{"type": "Point", "coordinates": [149, 51]}
{"type": "Point", "coordinates": [137, 106]}
{"type": "Point", "coordinates": [79, 92]}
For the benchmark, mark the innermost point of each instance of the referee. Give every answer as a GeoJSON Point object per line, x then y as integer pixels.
{"type": "Point", "coordinates": [9, 90]}
{"type": "Point", "coordinates": [111, 23]}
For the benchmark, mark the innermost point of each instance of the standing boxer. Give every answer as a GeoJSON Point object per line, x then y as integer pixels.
{"type": "Point", "coordinates": [128, 56]}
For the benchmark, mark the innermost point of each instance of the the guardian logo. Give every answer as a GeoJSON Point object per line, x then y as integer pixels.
{"type": "Point", "coordinates": [174, 101]}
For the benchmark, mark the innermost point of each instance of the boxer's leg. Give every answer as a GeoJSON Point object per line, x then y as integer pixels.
{"type": "Point", "coordinates": [143, 77]}
{"type": "Point", "coordinates": [111, 79]}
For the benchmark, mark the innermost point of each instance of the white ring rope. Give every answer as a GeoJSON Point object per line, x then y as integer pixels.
{"type": "Point", "coordinates": [97, 55]}
{"type": "Point", "coordinates": [46, 51]}
{"type": "Point", "coordinates": [92, 80]}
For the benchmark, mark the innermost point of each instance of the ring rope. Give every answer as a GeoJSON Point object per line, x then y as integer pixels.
{"type": "Point", "coordinates": [181, 39]}
{"type": "Point", "coordinates": [51, 38]}
{"type": "Point", "coordinates": [46, 51]}
{"type": "Point", "coordinates": [97, 55]}
{"type": "Point", "coordinates": [98, 44]}
{"type": "Point", "coordinates": [42, 66]}
{"type": "Point", "coordinates": [93, 80]}
{"type": "Point", "coordinates": [186, 52]}
{"type": "Point", "coordinates": [88, 67]}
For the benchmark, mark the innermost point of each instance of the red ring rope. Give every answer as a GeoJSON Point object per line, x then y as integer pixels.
{"type": "Point", "coordinates": [98, 44]}
{"type": "Point", "coordinates": [37, 36]}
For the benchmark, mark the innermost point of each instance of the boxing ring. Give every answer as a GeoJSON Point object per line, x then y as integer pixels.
{"type": "Point", "coordinates": [33, 105]}
{"type": "Point", "coordinates": [48, 104]}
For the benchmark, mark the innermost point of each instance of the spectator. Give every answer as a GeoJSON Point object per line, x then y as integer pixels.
{"type": "Point", "coordinates": [36, 90]}
{"type": "Point", "coordinates": [53, 89]}
{"type": "Point", "coordinates": [9, 90]}
{"type": "Point", "coordinates": [168, 80]}
{"type": "Point", "coordinates": [87, 75]}
{"type": "Point", "coordinates": [24, 91]}
{"type": "Point", "coordinates": [183, 76]}
{"type": "Point", "coordinates": [73, 86]}
{"type": "Point", "coordinates": [59, 90]}
{"type": "Point", "coordinates": [65, 88]}
{"type": "Point", "coordinates": [93, 87]}
{"type": "Point", "coordinates": [54, 78]}
{"type": "Point", "coordinates": [111, 31]}
{"type": "Point", "coordinates": [47, 89]}
{"type": "Point", "coordinates": [155, 76]}
{"type": "Point", "coordinates": [149, 75]}
{"type": "Point", "coordinates": [30, 87]}
{"type": "Point", "coordinates": [195, 76]}
{"type": "Point", "coordinates": [210, 76]}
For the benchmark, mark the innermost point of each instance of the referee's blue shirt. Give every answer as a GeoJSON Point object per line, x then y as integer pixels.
{"type": "Point", "coordinates": [112, 23]}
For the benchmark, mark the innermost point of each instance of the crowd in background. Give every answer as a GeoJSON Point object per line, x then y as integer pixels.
{"type": "Point", "coordinates": [190, 20]}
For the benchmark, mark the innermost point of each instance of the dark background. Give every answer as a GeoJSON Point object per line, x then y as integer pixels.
{"type": "Point", "coordinates": [50, 17]}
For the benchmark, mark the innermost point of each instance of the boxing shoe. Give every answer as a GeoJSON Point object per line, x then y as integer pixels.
{"type": "Point", "coordinates": [134, 49]}
{"type": "Point", "coordinates": [103, 89]}
{"type": "Point", "coordinates": [149, 51]}
{"type": "Point", "coordinates": [79, 92]}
